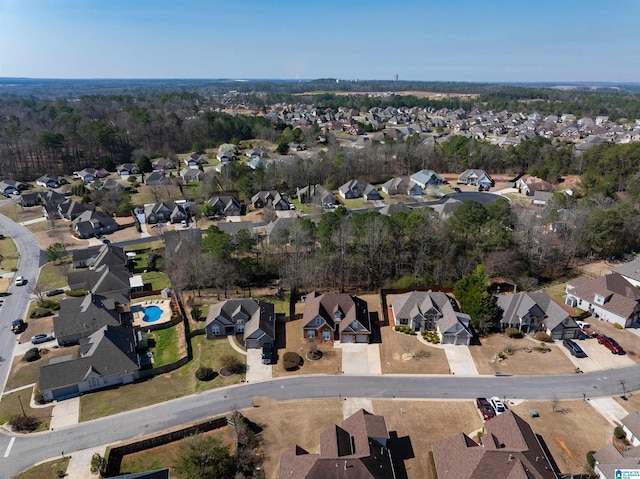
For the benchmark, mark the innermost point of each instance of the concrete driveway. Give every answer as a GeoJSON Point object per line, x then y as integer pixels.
{"type": "Point", "coordinates": [599, 358]}
{"type": "Point", "coordinates": [65, 413]}
{"type": "Point", "coordinates": [360, 358]}
{"type": "Point", "coordinates": [256, 371]}
{"type": "Point", "coordinates": [460, 360]}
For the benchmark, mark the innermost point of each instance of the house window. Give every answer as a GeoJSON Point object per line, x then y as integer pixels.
{"type": "Point", "coordinates": [311, 334]}
{"type": "Point", "coordinates": [215, 330]}
{"type": "Point", "coordinates": [326, 335]}
{"type": "Point", "coordinates": [599, 299]}
{"type": "Point", "coordinates": [404, 322]}
{"type": "Point", "coordinates": [318, 320]}
{"type": "Point", "coordinates": [93, 382]}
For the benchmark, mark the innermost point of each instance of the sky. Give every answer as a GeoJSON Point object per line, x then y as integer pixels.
{"type": "Point", "coordinates": [427, 40]}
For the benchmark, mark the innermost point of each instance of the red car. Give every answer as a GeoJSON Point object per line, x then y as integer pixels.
{"type": "Point", "coordinates": [610, 343]}
{"type": "Point", "coordinates": [485, 408]}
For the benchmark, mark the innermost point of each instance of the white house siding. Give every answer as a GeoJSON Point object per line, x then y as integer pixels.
{"type": "Point", "coordinates": [603, 314]}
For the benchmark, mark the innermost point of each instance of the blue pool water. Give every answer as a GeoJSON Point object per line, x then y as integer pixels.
{"type": "Point", "coordinates": [151, 313]}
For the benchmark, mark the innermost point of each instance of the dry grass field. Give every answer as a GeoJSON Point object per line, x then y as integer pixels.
{"type": "Point", "coordinates": [520, 362]}
{"type": "Point", "coordinates": [423, 359]}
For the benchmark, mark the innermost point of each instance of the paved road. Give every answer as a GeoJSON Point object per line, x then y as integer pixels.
{"type": "Point", "coordinates": [16, 302]}
{"type": "Point", "coordinates": [27, 450]}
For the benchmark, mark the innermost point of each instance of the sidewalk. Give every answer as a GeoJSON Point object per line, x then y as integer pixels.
{"type": "Point", "coordinates": [80, 463]}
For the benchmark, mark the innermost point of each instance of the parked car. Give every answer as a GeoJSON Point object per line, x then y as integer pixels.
{"type": "Point", "coordinates": [20, 281]}
{"type": "Point", "coordinates": [267, 353]}
{"type": "Point", "coordinates": [41, 338]}
{"type": "Point", "coordinates": [498, 405]}
{"type": "Point", "coordinates": [457, 190]}
{"type": "Point", "coordinates": [54, 292]}
{"type": "Point", "coordinates": [610, 343]}
{"type": "Point", "coordinates": [485, 408]}
{"type": "Point", "coordinates": [18, 326]}
{"type": "Point", "coordinates": [574, 349]}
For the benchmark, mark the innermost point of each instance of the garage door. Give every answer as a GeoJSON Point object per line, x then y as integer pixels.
{"type": "Point", "coordinates": [348, 338]}
{"type": "Point", "coordinates": [65, 393]}
{"type": "Point", "coordinates": [362, 338]}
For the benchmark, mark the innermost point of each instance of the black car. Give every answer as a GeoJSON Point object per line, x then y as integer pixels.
{"type": "Point", "coordinates": [267, 353]}
{"type": "Point", "coordinates": [18, 326]}
{"type": "Point", "coordinates": [574, 349]}
{"type": "Point", "coordinates": [54, 292]}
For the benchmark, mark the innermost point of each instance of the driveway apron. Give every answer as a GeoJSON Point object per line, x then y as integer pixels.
{"type": "Point", "coordinates": [460, 360]}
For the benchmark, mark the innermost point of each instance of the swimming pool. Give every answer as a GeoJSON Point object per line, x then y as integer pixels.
{"type": "Point", "coordinates": [151, 313]}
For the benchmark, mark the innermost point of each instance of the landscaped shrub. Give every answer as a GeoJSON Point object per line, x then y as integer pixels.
{"type": "Point", "coordinates": [291, 360]}
{"type": "Point", "coordinates": [74, 293]}
{"type": "Point", "coordinates": [590, 459]}
{"type": "Point", "coordinates": [32, 355]}
{"type": "Point", "coordinates": [619, 433]}
{"type": "Point", "coordinates": [513, 333]}
{"type": "Point", "coordinates": [24, 423]}
{"type": "Point", "coordinates": [232, 363]}
{"type": "Point", "coordinates": [40, 313]}
{"type": "Point", "coordinates": [617, 326]}
{"type": "Point", "coordinates": [542, 336]}
{"type": "Point", "coordinates": [49, 304]}
{"type": "Point", "coordinates": [398, 328]}
{"type": "Point", "coordinates": [205, 374]}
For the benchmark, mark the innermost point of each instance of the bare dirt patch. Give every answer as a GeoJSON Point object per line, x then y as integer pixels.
{"type": "Point", "coordinates": [424, 359]}
{"type": "Point", "coordinates": [569, 433]}
{"type": "Point", "coordinates": [330, 363]}
{"type": "Point", "coordinates": [425, 423]}
{"type": "Point", "coordinates": [286, 424]}
{"type": "Point", "coordinates": [520, 361]}
{"type": "Point", "coordinates": [46, 234]}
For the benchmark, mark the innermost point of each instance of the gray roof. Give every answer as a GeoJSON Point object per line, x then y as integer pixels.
{"type": "Point", "coordinates": [538, 304]}
{"type": "Point", "coordinates": [259, 317]}
{"type": "Point", "coordinates": [395, 208]}
{"type": "Point", "coordinates": [84, 315]}
{"type": "Point", "coordinates": [107, 351]}
{"type": "Point", "coordinates": [234, 227]}
{"type": "Point", "coordinates": [631, 269]}
{"type": "Point", "coordinates": [427, 177]}
{"type": "Point", "coordinates": [101, 280]}
{"type": "Point", "coordinates": [417, 303]}
{"type": "Point", "coordinates": [108, 254]}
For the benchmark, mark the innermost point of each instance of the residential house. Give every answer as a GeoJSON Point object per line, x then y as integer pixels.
{"type": "Point", "coordinates": [475, 177]}
{"type": "Point", "coordinates": [426, 178]}
{"type": "Point", "coordinates": [316, 194]}
{"type": "Point", "coordinates": [164, 211]}
{"type": "Point", "coordinates": [29, 199]}
{"type": "Point", "coordinates": [92, 223]}
{"type": "Point", "coordinates": [90, 174]}
{"type": "Point", "coordinates": [195, 160]}
{"type": "Point", "coordinates": [95, 256]}
{"type": "Point", "coordinates": [610, 459]}
{"type": "Point", "coordinates": [191, 174]}
{"type": "Point", "coordinates": [254, 319]}
{"type": "Point", "coordinates": [234, 227]}
{"type": "Point", "coordinates": [127, 169]}
{"type": "Point", "coordinates": [390, 210]}
{"type": "Point", "coordinates": [445, 208]}
{"type": "Point", "coordinates": [70, 209]}
{"type": "Point", "coordinates": [359, 448]}
{"type": "Point", "coordinates": [528, 184]}
{"type": "Point", "coordinates": [108, 358]}
{"type": "Point", "coordinates": [50, 201]}
{"type": "Point", "coordinates": [80, 317]}
{"type": "Point", "coordinates": [336, 317]}
{"type": "Point", "coordinates": [611, 298]}
{"type": "Point", "coordinates": [270, 198]}
{"type": "Point", "coordinates": [432, 311]}
{"type": "Point", "coordinates": [402, 185]}
{"type": "Point", "coordinates": [163, 164]}
{"type": "Point", "coordinates": [256, 163]}
{"type": "Point", "coordinates": [226, 156]}
{"type": "Point", "coordinates": [531, 312]}
{"type": "Point", "coordinates": [278, 230]}
{"type": "Point", "coordinates": [255, 153]}
{"type": "Point", "coordinates": [12, 187]}
{"type": "Point", "coordinates": [51, 181]}
{"type": "Point", "coordinates": [631, 426]}
{"type": "Point", "coordinates": [509, 449]}
{"type": "Point", "coordinates": [157, 178]}
{"type": "Point", "coordinates": [103, 280]}
{"type": "Point", "coordinates": [225, 206]}
{"type": "Point", "coordinates": [357, 189]}
{"type": "Point", "coordinates": [630, 271]}
{"type": "Point", "coordinates": [541, 198]}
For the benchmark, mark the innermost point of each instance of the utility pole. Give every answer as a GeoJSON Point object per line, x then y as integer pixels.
{"type": "Point", "coordinates": [21, 406]}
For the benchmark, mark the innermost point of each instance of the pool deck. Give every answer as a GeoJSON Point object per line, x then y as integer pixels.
{"type": "Point", "coordinates": [138, 313]}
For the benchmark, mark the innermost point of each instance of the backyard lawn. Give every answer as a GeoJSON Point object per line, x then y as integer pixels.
{"type": "Point", "coordinates": [165, 350]}
{"type": "Point", "coordinates": [157, 279]}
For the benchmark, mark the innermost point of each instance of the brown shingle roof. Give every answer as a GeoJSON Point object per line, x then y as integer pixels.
{"type": "Point", "coordinates": [623, 296]}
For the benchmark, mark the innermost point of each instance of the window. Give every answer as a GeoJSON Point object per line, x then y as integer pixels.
{"type": "Point", "coordinates": [318, 320]}
{"type": "Point", "coordinates": [326, 335]}
{"type": "Point", "coordinates": [599, 299]}
{"type": "Point", "coordinates": [215, 330]}
{"type": "Point", "coordinates": [93, 382]}
{"type": "Point", "coordinates": [311, 334]}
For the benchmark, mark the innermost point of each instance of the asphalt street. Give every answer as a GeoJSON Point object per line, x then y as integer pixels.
{"type": "Point", "coordinates": [16, 300]}
{"type": "Point", "coordinates": [27, 450]}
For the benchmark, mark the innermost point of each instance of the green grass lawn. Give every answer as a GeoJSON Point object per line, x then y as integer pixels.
{"type": "Point", "coordinates": [166, 349]}
{"type": "Point", "coordinates": [9, 253]}
{"type": "Point", "coordinates": [53, 275]}
{"type": "Point", "coordinates": [306, 209]}
{"type": "Point", "coordinates": [157, 279]}
{"type": "Point", "coordinates": [165, 387]}
{"type": "Point", "coordinates": [10, 407]}
{"type": "Point", "coordinates": [46, 470]}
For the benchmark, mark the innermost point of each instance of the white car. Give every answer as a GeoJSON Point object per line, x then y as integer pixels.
{"type": "Point", "coordinates": [498, 405]}
{"type": "Point", "coordinates": [20, 281]}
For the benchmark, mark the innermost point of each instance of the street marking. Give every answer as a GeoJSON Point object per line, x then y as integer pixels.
{"type": "Point", "coordinates": [6, 453]}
